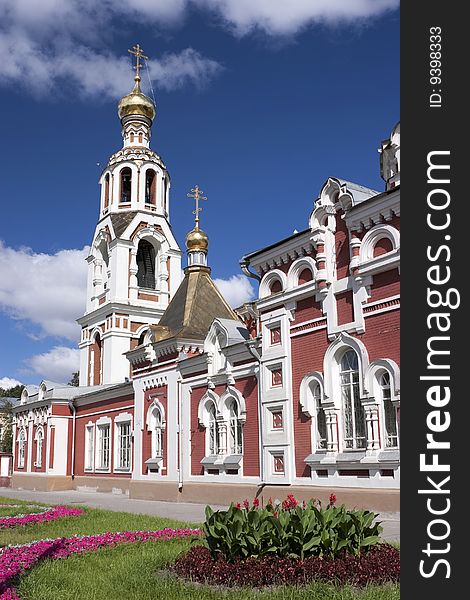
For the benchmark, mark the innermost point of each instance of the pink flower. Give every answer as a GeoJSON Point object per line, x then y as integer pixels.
{"type": "Point", "coordinates": [255, 502]}
{"type": "Point", "coordinates": [238, 505]}
{"type": "Point", "coordinates": [246, 504]}
{"type": "Point", "coordinates": [16, 559]}
{"type": "Point", "coordinates": [50, 514]}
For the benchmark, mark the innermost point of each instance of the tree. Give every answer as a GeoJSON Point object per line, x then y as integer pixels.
{"type": "Point", "coordinates": [14, 392]}
{"type": "Point", "coordinates": [6, 439]}
{"type": "Point", "coordinates": [75, 379]}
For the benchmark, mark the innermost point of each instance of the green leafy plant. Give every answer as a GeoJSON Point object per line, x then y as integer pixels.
{"type": "Point", "coordinates": [289, 529]}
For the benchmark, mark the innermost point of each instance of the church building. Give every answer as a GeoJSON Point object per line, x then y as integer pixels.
{"type": "Point", "coordinates": [183, 398]}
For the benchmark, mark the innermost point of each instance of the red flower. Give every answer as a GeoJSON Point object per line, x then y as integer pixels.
{"type": "Point", "coordinates": [332, 499]}
{"type": "Point", "coordinates": [246, 504]}
{"type": "Point", "coordinates": [289, 502]}
{"type": "Point", "coordinates": [270, 502]}
{"type": "Point", "coordinates": [255, 502]}
{"type": "Point", "coordinates": [238, 505]}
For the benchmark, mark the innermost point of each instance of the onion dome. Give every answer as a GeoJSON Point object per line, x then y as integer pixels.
{"type": "Point", "coordinates": [136, 103]}
{"type": "Point", "coordinates": [197, 240]}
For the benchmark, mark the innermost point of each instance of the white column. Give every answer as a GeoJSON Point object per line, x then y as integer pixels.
{"type": "Point", "coordinates": [331, 430]}
{"type": "Point", "coordinates": [372, 426]}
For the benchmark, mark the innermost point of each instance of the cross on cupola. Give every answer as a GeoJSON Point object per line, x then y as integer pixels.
{"type": "Point", "coordinates": [197, 242]}
{"type": "Point", "coordinates": [197, 195]}
{"type": "Point", "coordinates": [138, 53]}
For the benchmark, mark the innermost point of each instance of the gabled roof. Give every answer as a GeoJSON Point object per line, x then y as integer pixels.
{"type": "Point", "coordinates": [195, 305]}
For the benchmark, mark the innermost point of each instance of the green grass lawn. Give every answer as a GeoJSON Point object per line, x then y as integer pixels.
{"type": "Point", "coordinates": [137, 571]}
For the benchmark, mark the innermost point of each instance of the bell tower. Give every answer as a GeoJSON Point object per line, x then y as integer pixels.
{"type": "Point", "coordinates": [134, 265]}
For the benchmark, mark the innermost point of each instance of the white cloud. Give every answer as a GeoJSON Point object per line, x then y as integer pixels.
{"type": "Point", "coordinates": [279, 17]}
{"type": "Point", "coordinates": [56, 365]}
{"type": "Point", "coordinates": [47, 290]}
{"type": "Point", "coordinates": [7, 382]}
{"type": "Point", "coordinates": [43, 44]}
{"type": "Point", "coordinates": [60, 41]}
{"type": "Point", "coordinates": [236, 289]}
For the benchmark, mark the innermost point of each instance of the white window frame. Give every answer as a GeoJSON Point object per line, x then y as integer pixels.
{"type": "Point", "coordinates": [123, 452]}
{"type": "Point", "coordinates": [22, 441]}
{"type": "Point", "coordinates": [350, 389]}
{"type": "Point", "coordinates": [382, 388]}
{"type": "Point", "coordinates": [235, 429]}
{"type": "Point", "coordinates": [89, 459]}
{"type": "Point", "coordinates": [101, 425]}
{"type": "Point", "coordinates": [39, 438]}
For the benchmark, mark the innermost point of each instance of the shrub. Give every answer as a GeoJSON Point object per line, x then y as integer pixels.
{"type": "Point", "coordinates": [381, 564]}
{"type": "Point", "coordinates": [289, 530]}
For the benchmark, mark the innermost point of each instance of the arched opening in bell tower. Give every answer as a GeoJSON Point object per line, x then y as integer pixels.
{"type": "Point", "coordinates": [126, 185]}
{"type": "Point", "coordinates": [95, 360]}
{"type": "Point", "coordinates": [150, 186]}
{"type": "Point", "coordinates": [146, 257]}
{"type": "Point", "coordinates": [106, 191]}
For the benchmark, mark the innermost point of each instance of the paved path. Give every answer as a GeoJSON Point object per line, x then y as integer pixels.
{"type": "Point", "coordinates": [182, 511]}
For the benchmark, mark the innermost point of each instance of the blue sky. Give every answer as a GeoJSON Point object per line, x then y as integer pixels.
{"type": "Point", "coordinates": [258, 103]}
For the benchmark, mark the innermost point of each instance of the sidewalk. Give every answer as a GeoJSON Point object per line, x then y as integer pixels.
{"type": "Point", "coordinates": [181, 511]}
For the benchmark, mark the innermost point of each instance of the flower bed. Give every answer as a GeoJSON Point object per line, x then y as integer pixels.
{"type": "Point", "coordinates": [48, 514]}
{"type": "Point", "coordinates": [380, 564]}
{"type": "Point", "coordinates": [14, 560]}
{"type": "Point", "coordinates": [289, 529]}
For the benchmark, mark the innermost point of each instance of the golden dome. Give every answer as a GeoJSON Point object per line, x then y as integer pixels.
{"type": "Point", "coordinates": [197, 240]}
{"type": "Point", "coordinates": [136, 103]}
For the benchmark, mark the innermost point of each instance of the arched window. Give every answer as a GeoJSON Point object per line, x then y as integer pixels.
{"type": "Point", "coordinates": [95, 361]}
{"type": "Point", "coordinates": [383, 246]}
{"type": "Point", "coordinates": [126, 185]}
{"type": "Point", "coordinates": [390, 415]}
{"type": "Point", "coordinates": [276, 286]}
{"type": "Point", "coordinates": [21, 448]}
{"type": "Point", "coordinates": [305, 276]}
{"type": "Point", "coordinates": [39, 446]}
{"type": "Point", "coordinates": [213, 431]}
{"type": "Point", "coordinates": [236, 430]}
{"type": "Point", "coordinates": [320, 421]}
{"type": "Point", "coordinates": [132, 138]}
{"type": "Point", "coordinates": [146, 265]}
{"type": "Point", "coordinates": [354, 419]}
{"type": "Point", "coordinates": [150, 186]}
{"type": "Point", "coordinates": [140, 138]}
{"type": "Point", "coordinates": [106, 190]}
{"type": "Point", "coordinates": [157, 433]}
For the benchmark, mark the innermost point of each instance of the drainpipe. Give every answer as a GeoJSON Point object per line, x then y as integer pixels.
{"type": "Point", "coordinates": [245, 264]}
{"type": "Point", "coordinates": [74, 413]}
{"type": "Point", "coordinates": [257, 355]}
{"type": "Point", "coordinates": [180, 441]}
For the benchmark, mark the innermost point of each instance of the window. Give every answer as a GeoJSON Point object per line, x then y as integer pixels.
{"type": "Point", "coordinates": [90, 447]}
{"type": "Point", "coordinates": [140, 138]}
{"type": "Point", "coordinates": [124, 446]}
{"type": "Point", "coordinates": [390, 416]}
{"type": "Point", "coordinates": [277, 419]}
{"type": "Point", "coordinates": [236, 430]}
{"type": "Point", "coordinates": [126, 185]}
{"type": "Point", "coordinates": [275, 336]}
{"type": "Point", "coordinates": [320, 421]}
{"type": "Point", "coordinates": [305, 276]}
{"type": "Point", "coordinates": [21, 448]}
{"type": "Point", "coordinates": [278, 466]}
{"type": "Point", "coordinates": [106, 190]}
{"type": "Point", "coordinates": [132, 138]}
{"type": "Point", "coordinates": [213, 431]}
{"type": "Point", "coordinates": [150, 186]}
{"type": "Point", "coordinates": [103, 447]}
{"type": "Point", "coordinates": [39, 447]}
{"type": "Point", "coordinates": [276, 377]}
{"type": "Point", "coordinates": [146, 265]}
{"type": "Point", "coordinates": [158, 434]}
{"type": "Point", "coordinates": [276, 287]}
{"type": "Point", "coordinates": [354, 420]}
